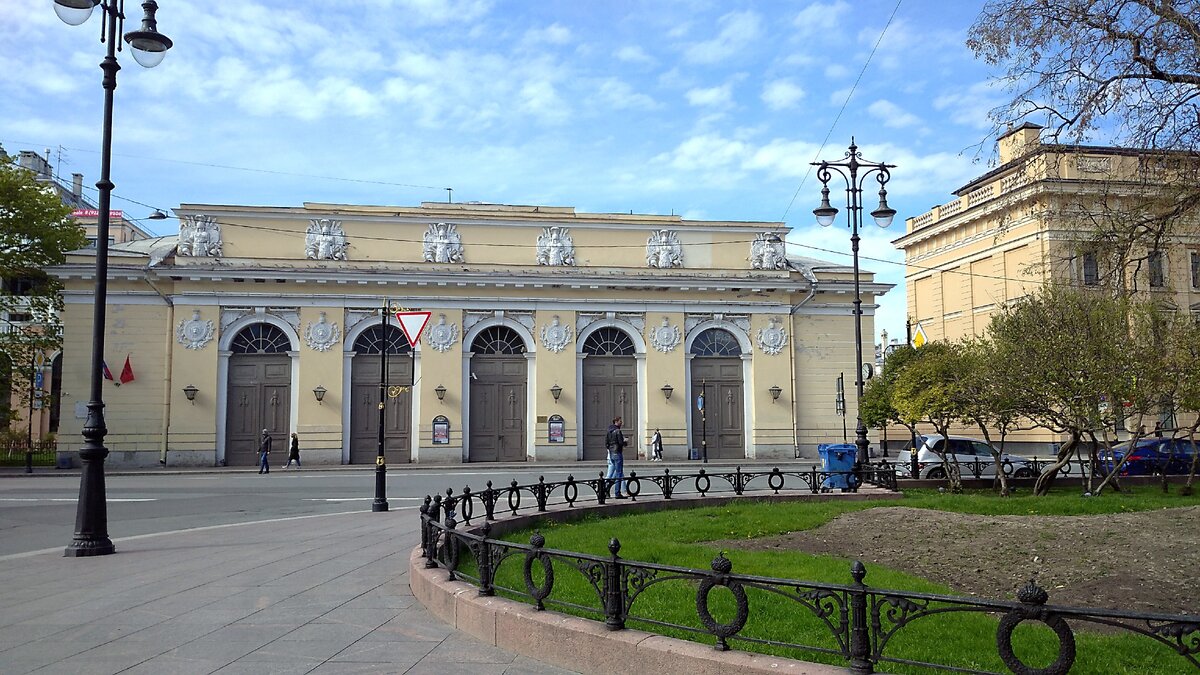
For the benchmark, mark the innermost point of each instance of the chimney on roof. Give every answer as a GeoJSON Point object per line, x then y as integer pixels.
{"type": "Point", "coordinates": [1019, 141]}
{"type": "Point", "coordinates": [77, 188]}
{"type": "Point", "coordinates": [29, 159]}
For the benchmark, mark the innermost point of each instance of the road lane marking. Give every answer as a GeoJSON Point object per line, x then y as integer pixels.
{"type": "Point", "coordinates": [74, 499]}
{"type": "Point", "coordinates": [186, 530]}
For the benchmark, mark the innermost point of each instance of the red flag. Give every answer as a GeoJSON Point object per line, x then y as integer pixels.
{"type": "Point", "coordinates": [105, 371]}
{"type": "Point", "coordinates": [127, 372]}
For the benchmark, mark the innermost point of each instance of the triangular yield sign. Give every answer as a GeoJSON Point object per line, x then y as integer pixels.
{"type": "Point", "coordinates": [412, 323]}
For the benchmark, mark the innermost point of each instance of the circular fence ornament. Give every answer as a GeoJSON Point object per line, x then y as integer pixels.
{"type": "Point", "coordinates": [1033, 598]}
{"type": "Point", "coordinates": [721, 567]}
{"type": "Point", "coordinates": [194, 333]}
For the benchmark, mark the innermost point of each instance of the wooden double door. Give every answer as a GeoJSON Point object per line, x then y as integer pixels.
{"type": "Point", "coordinates": [609, 390]}
{"type": "Point", "coordinates": [721, 380]}
{"type": "Point", "coordinates": [260, 394]}
{"type": "Point", "coordinates": [497, 414]}
{"type": "Point", "coordinates": [365, 370]}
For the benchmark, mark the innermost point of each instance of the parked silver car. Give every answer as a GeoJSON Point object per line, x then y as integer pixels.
{"type": "Point", "coordinates": [973, 455]}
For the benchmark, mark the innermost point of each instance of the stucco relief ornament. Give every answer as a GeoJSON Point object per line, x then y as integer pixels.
{"type": "Point", "coordinates": [663, 250]}
{"type": "Point", "coordinates": [772, 339]}
{"type": "Point", "coordinates": [442, 336]}
{"type": "Point", "coordinates": [443, 244]}
{"type": "Point", "coordinates": [766, 252]}
{"type": "Point", "coordinates": [665, 337]}
{"type": "Point", "coordinates": [555, 247]}
{"type": "Point", "coordinates": [556, 336]}
{"type": "Point", "coordinates": [200, 236]}
{"type": "Point", "coordinates": [325, 240]}
{"type": "Point", "coordinates": [322, 335]}
{"type": "Point", "coordinates": [194, 333]}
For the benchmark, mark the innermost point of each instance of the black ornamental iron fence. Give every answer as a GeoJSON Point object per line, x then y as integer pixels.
{"type": "Point", "coordinates": [1013, 467]}
{"type": "Point", "coordinates": [512, 498]}
{"type": "Point", "coordinates": [19, 452]}
{"type": "Point", "coordinates": [858, 621]}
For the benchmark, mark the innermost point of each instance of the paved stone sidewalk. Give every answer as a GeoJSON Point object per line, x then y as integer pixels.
{"type": "Point", "coordinates": [318, 594]}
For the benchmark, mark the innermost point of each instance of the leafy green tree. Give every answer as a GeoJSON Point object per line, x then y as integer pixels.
{"type": "Point", "coordinates": [36, 231]}
{"type": "Point", "coordinates": [926, 391]}
{"type": "Point", "coordinates": [877, 408]}
{"type": "Point", "coordinates": [988, 397]}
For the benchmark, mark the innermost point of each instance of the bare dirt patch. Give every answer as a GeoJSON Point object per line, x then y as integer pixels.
{"type": "Point", "coordinates": [1145, 561]}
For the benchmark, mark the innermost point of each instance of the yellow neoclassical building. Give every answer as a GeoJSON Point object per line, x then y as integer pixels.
{"type": "Point", "coordinates": [1032, 219]}
{"type": "Point", "coordinates": [545, 324]}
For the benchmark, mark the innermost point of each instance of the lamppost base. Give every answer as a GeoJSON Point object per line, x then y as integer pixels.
{"type": "Point", "coordinates": [86, 548]}
{"type": "Point", "coordinates": [379, 506]}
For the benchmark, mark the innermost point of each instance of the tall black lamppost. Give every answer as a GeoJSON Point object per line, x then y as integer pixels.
{"type": "Point", "coordinates": [380, 503]}
{"type": "Point", "coordinates": [854, 171]}
{"type": "Point", "coordinates": [148, 47]}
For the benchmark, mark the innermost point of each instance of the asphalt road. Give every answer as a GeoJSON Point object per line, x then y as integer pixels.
{"type": "Point", "coordinates": [38, 512]}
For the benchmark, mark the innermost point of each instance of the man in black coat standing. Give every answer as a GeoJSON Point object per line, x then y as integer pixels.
{"type": "Point", "coordinates": [615, 442]}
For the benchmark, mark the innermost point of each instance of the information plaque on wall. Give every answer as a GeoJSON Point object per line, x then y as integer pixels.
{"type": "Point", "coordinates": [557, 429]}
{"type": "Point", "coordinates": [441, 430]}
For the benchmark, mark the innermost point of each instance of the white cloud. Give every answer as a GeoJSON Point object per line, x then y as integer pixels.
{"type": "Point", "coordinates": [781, 94]}
{"type": "Point", "coordinates": [555, 34]}
{"type": "Point", "coordinates": [892, 115]}
{"type": "Point", "coordinates": [618, 95]}
{"type": "Point", "coordinates": [708, 152]}
{"type": "Point", "coordinates": [970, 107]}
{"type": "Point", "coordinates": [738, 31]}
{"type": "Point", "coordinates": [633, 54]}
{"type": "Point", "coordinates": [433, 12]}
{"type": "Point", "coordinates": [838, 97]}
{"type": "Point", "coordinates": [836, 71]}
{"type": "Point", "coordinates": [541, 99]}
{"type": "Point", "coordinates": [721, 96]}
{"type": "Point", "coordinates": [820, 18]}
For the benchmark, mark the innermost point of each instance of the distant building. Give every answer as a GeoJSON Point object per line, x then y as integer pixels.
{"type": "Point", "coordinates": [545, 324]}
{"type": "Point", "coordinates": [1024, 223]}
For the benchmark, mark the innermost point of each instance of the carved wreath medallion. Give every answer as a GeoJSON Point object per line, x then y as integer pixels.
{"type": "Point", "coordinates": [442, 336]}
{"type": "Point", "coordinates": [666, 337]}
{"type": "Point", "coordinates": [322, 335]}
{"type": "Point", "coordinates": [772, 339]}
{"type": "Point", "coordinates": [556, 336]}
{"type": "Point", "coordinates": [194, 333]}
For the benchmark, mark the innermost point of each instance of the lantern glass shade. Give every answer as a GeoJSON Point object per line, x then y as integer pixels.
{"type": "Point", "coordinates": [556, 391]}
{"type": "Point", "coordinates": [884, 214]}
{"type": "Point", "coordinates": [190, 392]}
{"type": "Point", "coordinates": [775, 392]}
{"type": "Point", "coordinates": [826, 212]}
{"type": "Point", "coordinates": [319, 392]}
{"type": "Point", "coordinates": [440, 390]}
{"type": "Point", "coordinates": [667, 390]}
{"type": "Point", "coordinates": [73, 12]}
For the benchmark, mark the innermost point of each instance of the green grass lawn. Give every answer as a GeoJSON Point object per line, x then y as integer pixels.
{"type": "Point", "coordinates": [962, 640]}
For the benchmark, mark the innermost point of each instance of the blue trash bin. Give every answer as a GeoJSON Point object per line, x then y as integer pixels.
{"type": "Point", "coordinates": [837, 457]}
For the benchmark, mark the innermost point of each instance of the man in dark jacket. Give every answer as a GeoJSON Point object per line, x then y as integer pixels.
{"type": "Point", "coordinates": [615, 442]}
{"type": "Point", "coordinates": [264, 452]}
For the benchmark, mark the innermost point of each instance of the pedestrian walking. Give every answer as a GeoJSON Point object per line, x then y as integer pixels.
{"type": "Point", "coordinates": [656, 446]}
{"type": "Point", "coordinates": [614, 442]}
{"type": "Point", "coordinates": [264, 452]}
{"type": "Point", "coordinates": [293, 452]}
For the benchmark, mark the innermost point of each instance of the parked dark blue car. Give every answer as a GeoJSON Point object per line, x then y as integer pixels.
{"type": "Point", "coordinates": [1152, 456]}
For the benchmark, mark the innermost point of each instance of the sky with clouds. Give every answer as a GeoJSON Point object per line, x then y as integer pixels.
{"type": "Point", "coordinates": [709, 109]}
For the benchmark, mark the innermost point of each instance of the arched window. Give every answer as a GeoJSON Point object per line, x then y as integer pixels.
{"type": "Point", "coordinates": [260, 338]}
{"type": "Point", "coordinates": [716, 342]}
{"type": "Point", "coordinates": [609, 342]}
{"type": "Point", "coordinates": [372, 339]}
{"type": "Point", "coordinates": [498, 340]}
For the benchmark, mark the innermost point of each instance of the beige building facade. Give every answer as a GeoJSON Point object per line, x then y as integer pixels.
{"type": "Point", "coordinates": [1028, 221]}
{"type": "Point", "coordinates": [545, 323]}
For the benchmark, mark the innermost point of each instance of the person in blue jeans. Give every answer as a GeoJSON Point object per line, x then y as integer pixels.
{"type": "Point", "coordinates": [264, 452]}
{"type": "Point", "coordinates": [615, 442]}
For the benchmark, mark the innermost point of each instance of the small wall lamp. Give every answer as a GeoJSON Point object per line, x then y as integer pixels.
{"type": "Point", "coordinates": [190, 392]}
{"type": "Point", "coordinates": [775, 392]}
{"type": "Point", "coordinates": [319, 392]}
{"type": "Point", "coordinates": [667, 390]}
{"type": "Point", "coordinates": [556, 391]}
{"type": "Point", "coordinates": [440, 390]}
